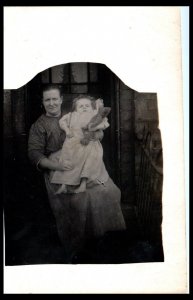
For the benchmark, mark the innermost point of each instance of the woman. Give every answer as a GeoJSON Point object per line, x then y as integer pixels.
{"type": "Point", "coordinates": [78, 216]}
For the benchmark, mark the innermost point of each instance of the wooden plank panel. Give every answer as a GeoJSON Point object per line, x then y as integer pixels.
{"type": "Point", "coordinates": [45, 76]}
{"type": "Point", "coordinates": [7, 128]}
{"type": "Point", "coordinates": [93, 68]}
{"type": "Point", "coordinates": [79, 73]}
{"type": "Point", "coordinates": [60, 74]}
{"type": "Point", "coordinates": [18, 100]}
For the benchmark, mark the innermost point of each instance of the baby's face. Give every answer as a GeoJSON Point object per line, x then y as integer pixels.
{"type": "Point", "coordinates": [84, 105]}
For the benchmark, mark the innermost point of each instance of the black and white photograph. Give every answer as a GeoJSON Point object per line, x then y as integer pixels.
{"type": "Point", "coordinates": [83, 157]}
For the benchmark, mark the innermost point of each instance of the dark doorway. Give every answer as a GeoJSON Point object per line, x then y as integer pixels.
{"type": "Point", "coordinates": [100, 82]}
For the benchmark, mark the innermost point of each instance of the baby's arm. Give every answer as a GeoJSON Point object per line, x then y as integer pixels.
{"type": "Point", "coordinates": [63, 122]}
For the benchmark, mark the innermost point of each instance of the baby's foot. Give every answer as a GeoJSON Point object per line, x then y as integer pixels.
{"type": "Point", "coordinates": [80, 189]}
{"type": "Point", "coordinates": [61, 190]}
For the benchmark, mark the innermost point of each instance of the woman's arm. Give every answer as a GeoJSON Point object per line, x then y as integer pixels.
{"type": "Point", "coordinates": [36, 150]}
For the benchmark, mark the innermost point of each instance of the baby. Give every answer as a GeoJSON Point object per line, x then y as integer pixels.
{"type": "Point", "coordinates": [84, 129]}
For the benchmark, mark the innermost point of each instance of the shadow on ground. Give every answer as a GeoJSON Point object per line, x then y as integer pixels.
{"type": "Point", "coordinates": [40, 245]}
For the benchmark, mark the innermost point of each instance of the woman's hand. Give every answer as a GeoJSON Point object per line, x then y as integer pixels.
{"type": "Point", "coordinates": [47, 163]}
{"type": "Point", "coordinates": [65, 166]}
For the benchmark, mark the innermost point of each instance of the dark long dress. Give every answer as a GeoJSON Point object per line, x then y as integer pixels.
{"type": "Point", "coordinates": [82, 215]}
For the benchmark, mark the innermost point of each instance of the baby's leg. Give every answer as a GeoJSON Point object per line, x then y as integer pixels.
{"type": "Point", "coordinates": [62, 189]}
{"type": "Point", "coordinates": [82, 186]}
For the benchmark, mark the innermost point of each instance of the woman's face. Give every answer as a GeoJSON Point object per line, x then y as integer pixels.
{"type": "Point", "coordinates": [84, 105]}
{"type": "Point", "coordinates": [52, 102]}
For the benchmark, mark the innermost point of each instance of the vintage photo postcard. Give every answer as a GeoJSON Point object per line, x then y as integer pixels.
{"type": "Point", "coordinates": [94, 165]}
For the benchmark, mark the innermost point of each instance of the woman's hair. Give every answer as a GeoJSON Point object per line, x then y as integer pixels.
{"type": "Point", "coordinates": [49, 87]}
{"type": "Point", "coordinates": [92, 100]}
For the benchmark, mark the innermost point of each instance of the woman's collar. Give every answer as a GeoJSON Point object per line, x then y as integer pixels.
{"type": "Point", "coordinates": [56, 116]}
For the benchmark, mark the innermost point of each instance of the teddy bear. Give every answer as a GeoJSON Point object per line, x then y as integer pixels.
{"type": "Point", "coordinates": [89, 133]}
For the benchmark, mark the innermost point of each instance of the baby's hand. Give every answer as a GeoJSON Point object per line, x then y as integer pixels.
{"type": "Point", "coordinates": [84, 141]}
{"type": "Point", "coordinates": [69, 134]}
{"type": "Point", "coordinates": [99, 103]}
{"type": "Point", "coordinates": [85, 127]}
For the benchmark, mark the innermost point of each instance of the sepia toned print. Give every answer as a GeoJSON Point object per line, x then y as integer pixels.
{"type": "Point", "coordinates": [117, 220]}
